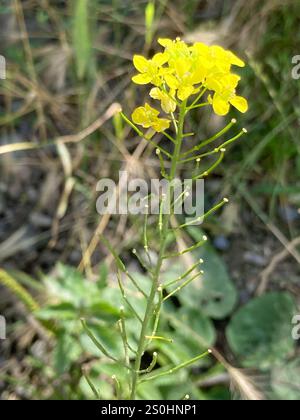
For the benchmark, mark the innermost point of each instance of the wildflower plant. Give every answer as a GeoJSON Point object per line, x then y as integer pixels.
{"type": "Point", "coordinates": [182, 78]}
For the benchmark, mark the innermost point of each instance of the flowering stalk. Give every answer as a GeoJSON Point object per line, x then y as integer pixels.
{"type": "Point", "coordinates": [163, 243]}
{"type": "Point", "coordinates": [184, 79]}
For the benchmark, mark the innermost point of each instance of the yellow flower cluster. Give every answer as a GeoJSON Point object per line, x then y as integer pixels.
{"type": "Point", "coordinates": [182, 71]}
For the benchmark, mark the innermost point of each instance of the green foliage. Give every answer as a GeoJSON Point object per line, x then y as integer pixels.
{"type": "Point", "coordinates": [260, 332]}
{"type": "Point", "coordinates": [285, 381]}
{"type": "Point", "coordinates": [71, 296]}
{"type": "Point", "coordinates": [214, 293]}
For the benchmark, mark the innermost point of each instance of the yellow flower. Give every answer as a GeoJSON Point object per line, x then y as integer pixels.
{"type": "Point", "coordinates": [152, 71]}
{"type": "Point", "coordinates": [182, 79]}
{"type": "Point", "coordinates": [182, 71]}
{"type": "Point", "coordinates": [167, 103]}
{"type": "Point", "coordinates": [147, 117]}
{"type": "Point", "coordinates": [216, 56]}
{"type": "Point", "coordinates": [225, 57]}
{"type": "Point", "coordinates": [175, 49]}
{"type": "Point", "coordinates": [226, 96]}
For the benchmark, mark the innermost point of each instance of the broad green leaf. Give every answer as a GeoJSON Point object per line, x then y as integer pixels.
{"type": "Point", "coordinates": [109, 369]}
{"type": "Point", "coordinates": [260, 333]}
{"type": "Point", "coordinates": [67, 351]}
{"type": "Point", "coordinates": [103, 386]}
{"type": "Point", "coordinates": [213, 293]}
{"type": "Point", "coordinates": [285, 381]}
{"type": "Point", "coordinates": [148, 391]}
{"type": "Point", "coordinates": [61, 312]}
{"type": "Point", "coordinates": [77, 293]}
{"type": "Point", "coordinates": [178, 352]}
{"type": "Point", "coordinates": [171, 393]}
{"type": "Point", "coordinates": [136, 299]}
{"type": "Point", "coordinates": [103, 310]}
{"type": "Point", "coordinates": [193, 326]}
{"type": "Point", "coordinates": [108, 336]}
{"type": "Point", "coordinates": [68, 284]}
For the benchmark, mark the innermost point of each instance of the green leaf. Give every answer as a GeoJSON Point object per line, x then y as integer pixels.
{"type": "Point", "coordinates": [67, 284]}
{"type": "Point", "coordinates": [103, 310]}
{"type": "Point", "coordinates": [148, 391]}
{"type": "Point", "coordinates": [137, 300]}
{"type": "Point", "coordinates": [108, 336]}
{"type": "Point", "coordinates": [61, 312]}
{"type": "Point", "coordinates": [285, 381]}
{"type": "Point", "coordinates": [82, 37]}
{"type": "Point", "coordinates": [103, 386]}
{"type": "Point", "coordinates": [214, 293]}
{"type": "Point", "coordinates": [192, 333]}
{"type": "Point", "coordinates": [105, 371]}
{"type": "Point", "coordinates": [84, 297]}
{"type": "Point", "coordinates": [172, 392]}
{"type": "Point", "coordinates": [260, 332]}
{"type": "Point", "coordinates": [65, 353]}
{"type": "Point", "coordinates": [193, 326]}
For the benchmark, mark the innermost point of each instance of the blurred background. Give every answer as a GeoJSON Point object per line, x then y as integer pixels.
{"type": "Point", "coordinates": [68, 64]}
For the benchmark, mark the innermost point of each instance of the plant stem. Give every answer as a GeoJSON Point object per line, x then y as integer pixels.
{"type": "Point", "coordinates": [163, 243]}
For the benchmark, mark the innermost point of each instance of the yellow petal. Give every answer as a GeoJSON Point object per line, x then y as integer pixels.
{"type": "Point", "coordinates": [182, 66]}
{"type": "Point", "coordinates": [198, 75]}
{"type": "Point", "coordinates": [171, 81]}
{"type": "Point", "coordinates": [160, 59]}
{"type": "Point", "coordinates": [140, 63]}
{"type": "Point", "coordinates": [230, 81]}
{"type": "Point", "coordinates": [218, 52]}
{"type": "Point", "coordinates": [142, 79]}
{"type": "Point", "coordinates": [164, 42]}
{"type": "Point", "coordinates": [240, 104]}
{"type": "Point", "coordinates": [151, 112]}
{"type": "Point", "coordinates": [235, 60]}
{"type": "Point", "coordinates": [161, 124]}
{"type": "Point", "coordinates": [201, 48]}
{"type": "Point", "coordinates": [156, 93]}
{"type": "Point", "coordinates": [139, 116]}
{"type": "Point", "coordinates": [168, 105]}
{"type": "Point", "coordinates": [213, 83]}
{"type": "Point", "coordinates": [185, 92]}
{"type": "Point", "coordinates": [220, 106]}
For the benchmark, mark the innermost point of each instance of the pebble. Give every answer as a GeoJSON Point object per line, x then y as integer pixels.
{"type": "Point", "coordinates": [255, 259]}
{"type": "Point", "coordinates": [222, 243]}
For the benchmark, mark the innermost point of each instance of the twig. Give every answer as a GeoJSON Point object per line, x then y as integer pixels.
{"type": "Point", "coordinates": [275, 261]}
{"type": "Point", "coordinates": [74, 138]}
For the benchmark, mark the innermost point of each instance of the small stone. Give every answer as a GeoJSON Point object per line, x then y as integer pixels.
{"type": "Point", "coordinates": [221, 243]}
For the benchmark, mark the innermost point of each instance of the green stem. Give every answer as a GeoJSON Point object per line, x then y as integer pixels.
{"type": "Point", "coordinates": [155, 285]}
{"type": "Point", "coordinates": [177, 368]}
